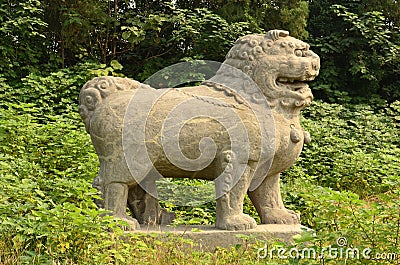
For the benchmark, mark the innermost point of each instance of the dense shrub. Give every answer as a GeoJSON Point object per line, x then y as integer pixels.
{"type": "Point", "coordinates": [47, 165]}
{"type": "Point", "coordinates": [354, 147]}
{"type": "Point", "coordinates": [56, 93]}
{"type": "Point", "coordinates": [344, 184]}
{"type": "Point", "coordinates": [46, 199]}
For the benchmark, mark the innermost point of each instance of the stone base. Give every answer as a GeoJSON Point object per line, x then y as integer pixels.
{"type": "Point", "coordinates": [208, 237]}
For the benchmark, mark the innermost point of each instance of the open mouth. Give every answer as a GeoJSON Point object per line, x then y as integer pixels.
{"type": "Point", "coordinates": [296, 85]}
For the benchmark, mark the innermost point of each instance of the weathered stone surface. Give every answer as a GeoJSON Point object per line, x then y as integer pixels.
{"type": "Point", "coordinates": [208, 238]}
{"type": "Point", "coordinates": [141, 133]}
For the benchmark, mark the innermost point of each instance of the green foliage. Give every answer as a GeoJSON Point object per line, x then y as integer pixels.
{"type": "Point", "coordinates": [358, 41]}
{"type": "Point", "coordinates": [354, 147]}
{"type": "Point", "coordinates": [359, 47]}
{"type": "Point", "coordinates": [162, 38]}
{"type": "Point", "coordinates": [22, 40]}
{"type": "Point", "coordinates": [344, 184]}
{"type": "Point", "coordinates": [56, 93]}
{"type": "Point", "coordinates": [82, 30]}
{"type": "Point", "coordinates": [46, 201]}
{"type": "Point", "coordinates": [376, 63]}
{"type": "Point", "coordinates": [290, 10]}
{"type": "Point", "coordinates": [47, 214]}
{"type": "Point", "coordinates": [372, 225]}
{"type": "Point", "coordinates": [54, 146]}
{"type": "Point", "coordinates": [281, 14]}
{"type": "Point", "coordinates": [346, 181]}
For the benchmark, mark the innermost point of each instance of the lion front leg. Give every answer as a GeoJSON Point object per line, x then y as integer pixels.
{"type": "Point", "coordinates": [229, 210]}
{"type": "Point", "coordinates": [268, 202]}
{"type": "Point", "coordinates": [115, 196]}
{"type": "Point", "coordinates": [112, 182]}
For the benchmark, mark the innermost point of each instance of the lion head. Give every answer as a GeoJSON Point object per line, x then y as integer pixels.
{"type": "Point", "coordinates": [279, 64]}
{"type": "Point", "coordinates": [96, 90]}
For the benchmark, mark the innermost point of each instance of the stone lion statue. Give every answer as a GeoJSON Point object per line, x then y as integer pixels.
{"type": "Point", "coordinates": [140, 133]}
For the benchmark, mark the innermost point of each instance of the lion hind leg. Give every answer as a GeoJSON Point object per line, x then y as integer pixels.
{"type": "Point", "coordinates": [146, 208]}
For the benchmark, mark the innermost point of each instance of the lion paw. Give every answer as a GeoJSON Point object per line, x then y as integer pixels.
{"type": "Point", "coordinates": [163, 218]}
{"type": "Point", "coordinates": [280, 216]}
{"type": "Point", "coordinates": [166, 217]}
{"type": "Point", "coordinates": [237, 222]}
{"type": "Point", "coordinates": [133, 224]}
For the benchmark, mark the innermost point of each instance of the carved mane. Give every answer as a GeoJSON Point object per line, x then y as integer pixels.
{"type": "Point", "coordinates": [96, 90]}
{"type": "Point", "coordinates": [250, 50]}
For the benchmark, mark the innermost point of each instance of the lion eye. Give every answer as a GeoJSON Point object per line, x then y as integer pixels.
{"type": "Point", "coordinates": [298, 53]}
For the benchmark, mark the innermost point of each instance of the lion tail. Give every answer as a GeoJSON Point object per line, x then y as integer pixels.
{"type": "Point", "coordinates": [96, 90]}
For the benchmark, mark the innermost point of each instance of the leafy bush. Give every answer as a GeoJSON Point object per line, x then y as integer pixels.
{"type": "Point", "coordinates": [344, 184]}
{"type": "Point", "coordinates": [358, 42]}
{"type": "Point", "coordinates": [56, 93]}
{"type": "Point", "coordinates": [162, 38]}
{"type": "Point", "coordinates": [346, 181]}
{"type": "Point", "coordinates": [354, 147]}
{"type": "Point", "coordinates": [370, 225]}
{"type": "Point", "coordinates": [23, 45]}
{"type": "Point", "coordinates": [46, 200]}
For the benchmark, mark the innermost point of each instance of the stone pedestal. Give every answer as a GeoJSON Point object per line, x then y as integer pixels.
{"type": "Point", "coordinates": [208, 237]}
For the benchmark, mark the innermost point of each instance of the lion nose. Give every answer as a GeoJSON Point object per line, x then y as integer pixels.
{"type": "Point", "coordinates": [315, 66]}
{"type": "Point", "coordinates": [315, 63]}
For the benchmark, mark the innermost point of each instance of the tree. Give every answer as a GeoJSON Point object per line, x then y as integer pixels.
{"type": "Point", "coordinates": [161, 38]}
{"type": "Point", "coordinates": [359, 46]}
{"type": "Point", "coordinates": [22, 42]}
{"type": "Point", "coordinates": [82, 29]}
{"type": "Point", "coordinates": [266, 14]}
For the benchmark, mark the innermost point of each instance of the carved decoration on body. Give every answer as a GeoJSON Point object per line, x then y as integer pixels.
{"type": "Point", "coordinates": [125, 119]}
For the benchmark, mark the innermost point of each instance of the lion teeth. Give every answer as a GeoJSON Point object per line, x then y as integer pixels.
{"type": "Point", "coordinates": [286, 80]}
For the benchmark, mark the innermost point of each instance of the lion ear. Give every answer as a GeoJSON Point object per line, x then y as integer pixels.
{"type": "Point", "coordinates": [276, 34]}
